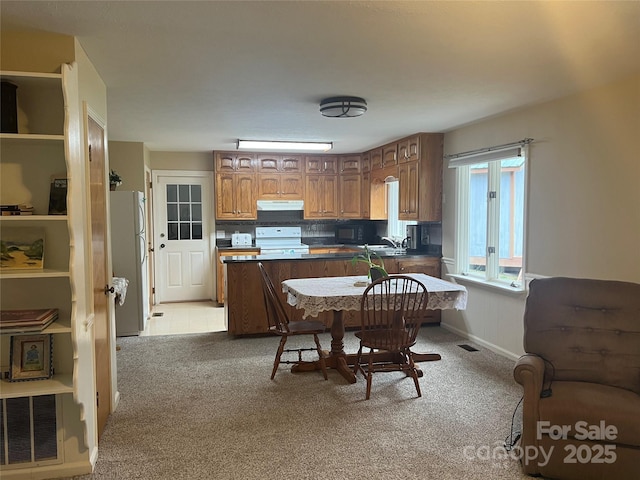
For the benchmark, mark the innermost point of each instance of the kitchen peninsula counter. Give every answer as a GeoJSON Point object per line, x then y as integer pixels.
{"type": "Point", "coordinates": [244, 305]}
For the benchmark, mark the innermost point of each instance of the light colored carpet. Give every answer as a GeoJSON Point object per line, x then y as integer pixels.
{"type": "Point", "coordinates": [201, 406]}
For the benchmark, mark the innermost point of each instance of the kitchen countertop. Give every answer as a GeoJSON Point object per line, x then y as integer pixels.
{"type": "Point", "coordinates": [312, 256]}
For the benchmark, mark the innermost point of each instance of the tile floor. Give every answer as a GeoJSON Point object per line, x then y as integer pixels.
{"type": "Point", "coordinates": [187, 317]}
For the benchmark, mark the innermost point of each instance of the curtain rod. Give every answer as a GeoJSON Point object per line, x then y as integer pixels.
{"type": "Point", "coordinates": [524, 141]}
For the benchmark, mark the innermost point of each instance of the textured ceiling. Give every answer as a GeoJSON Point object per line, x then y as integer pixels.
{"type": "Point", "coordinates": [197, 75]}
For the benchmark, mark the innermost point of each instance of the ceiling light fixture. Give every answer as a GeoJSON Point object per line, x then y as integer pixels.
{"type": "Point", "coordinates": [278, 145]}
{"type": "Point", "coordinates": [343, 107]}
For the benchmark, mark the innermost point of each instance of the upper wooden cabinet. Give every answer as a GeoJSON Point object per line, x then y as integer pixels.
{"type": "Point", "coordinates": [280, 186]}
{"type": "Point", "coordinates": [269, 163]}
{"type": "Point", "coordinates": [322, 164]}
{"type": "Point", "coordinates": [409, 149]}
{"type": "Point", "coordinates": [350, 164]}
{"type": "Point", "coordinates": [321, 196]}
{"type": "Point", "coordinates": [421, 178]}
{"type": "Point", "coordinates": [350, 196]}
{"type": "Point", "coordinates": [375, 157]}
{"type": "Point", "coordinates": [235, 196]}
{"type": "Point", "coordinates": [235, 162]}
{"type": "Point", "coordinates": [389, 155]}
{"type": "Point", "coordinates": [235, 186]}
{"type": "Point", "coordinates": [280, 177]}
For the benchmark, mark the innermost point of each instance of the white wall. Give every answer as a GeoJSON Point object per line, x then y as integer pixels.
{"type": "Point", "coordinates": [583, 216]}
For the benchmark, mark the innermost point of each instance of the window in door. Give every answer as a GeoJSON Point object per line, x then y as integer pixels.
{"type": "Point", "coordinates": [184, 212]}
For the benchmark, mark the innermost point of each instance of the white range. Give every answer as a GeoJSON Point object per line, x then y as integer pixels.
{"type": "Point", "coordinates": [280, 241]}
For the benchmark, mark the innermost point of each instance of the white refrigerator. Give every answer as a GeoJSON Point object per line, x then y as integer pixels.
{"type": "Point", "coordinates": [129, 258]}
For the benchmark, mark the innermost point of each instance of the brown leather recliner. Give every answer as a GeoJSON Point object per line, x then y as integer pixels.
{"type": "Point", "coordinates": [581, 379]}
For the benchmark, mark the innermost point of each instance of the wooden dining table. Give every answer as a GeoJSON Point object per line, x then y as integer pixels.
{"type": "Point", "coordinates": [339, 294]}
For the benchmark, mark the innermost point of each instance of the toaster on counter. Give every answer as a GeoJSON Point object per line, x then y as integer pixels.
{"type": "Point", "coordinates": [240, 239]}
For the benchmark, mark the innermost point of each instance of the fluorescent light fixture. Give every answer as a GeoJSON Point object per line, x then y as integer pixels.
{"type": "Point", "coordinates": [277, 145]}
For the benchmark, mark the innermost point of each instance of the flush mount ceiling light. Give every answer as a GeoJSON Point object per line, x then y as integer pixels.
{"type": "Point", "coordinates": [277, 145]}
{"type": "Point", "coordinates": [343, 107]}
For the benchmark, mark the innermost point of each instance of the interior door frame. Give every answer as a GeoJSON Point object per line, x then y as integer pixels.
{"type": "Point", "coordinates": [159, 204]}
{"type": "Point", "coordinates": [90, 113]}
{"type": "Point", "coordinates": [149, 218]}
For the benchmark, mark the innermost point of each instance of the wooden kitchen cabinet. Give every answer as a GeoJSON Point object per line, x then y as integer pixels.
{"type": "Point", "coordinates": [375, 157]}
{"type": "Point", "coordinates": [270, 163]}
{"type": "Point", "coordinates": [235, 162]}
{"type": "Point", "coordinates": [408, 176]}
{"type": "Point", "coordinates": [409, 149]}
{"type": "Point", "coordinates": [279, 177]}
{"type": "Point", "coordinates": [350, 164]}
{"type": "Point", "coordinates": [427, 265]}
{"type": "Point", "coordinates": [389, 155]}
{"type": "Point", "coordinates": [321, 164]}
{"type": "Point", "coordinates": [235, 196]}
{"type": "Point", "coordinates": [280, 186]}
{"type": "Point", "coordinates": [220, 278]}
{"type": "Point", "coordinates": [246, 316]}
{"type": "Point", "coordinates": [350, 196]}
{"type": "Point", "coordinates": [366, 195]}
{"type": "Point", "coordinates": [321, 196]}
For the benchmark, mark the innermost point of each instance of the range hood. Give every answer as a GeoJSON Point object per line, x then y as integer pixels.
{"type": "Point", "coordinates": [280, 205]}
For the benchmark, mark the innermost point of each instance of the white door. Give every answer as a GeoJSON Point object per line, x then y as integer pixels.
{"type": "Point", "coordinates": [182, 235]}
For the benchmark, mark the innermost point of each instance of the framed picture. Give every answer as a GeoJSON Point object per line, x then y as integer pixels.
{"type": "Point", "coordinates": [31, 357]}
{"type": "Point", "coordinates": [22, 248]}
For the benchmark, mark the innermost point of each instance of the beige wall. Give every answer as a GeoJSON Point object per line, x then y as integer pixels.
{"type": "Point", "coordinates": [583, 216]}
{"type": "Point", "coordinates": [128, 159]}
{"type": "Point", "coordinates": [181, 161]}
{"type": "Point", "coordinates": [35, 51]}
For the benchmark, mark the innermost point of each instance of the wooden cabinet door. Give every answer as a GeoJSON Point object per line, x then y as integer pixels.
{"type": "Point", "coordinates": [409, 149]}
{"type": "Point", "coordinates": [268, 186]}
{"type": "Point", "coordinates": [291, 186]}
{"type": "Point", "coordinates": [245, 197]}
{"type": "Point", "coordinates": [330, 196]}
{"type": "Point", "coordinates": [245, 162]}
{"type": "Point", "coordinates": [225, 196]}
{"type": "Point", "coordinates": [366, 194]}
{"type": "Point", "coordinates": [365, 162]}
{"type": "Point", "coordinates": [390, 155]}
{"type": "Point", "coordinates": [268, 163]}
{"type": "Point", "coordinates": [225, 162]}
{"type": "Point", "coordinates": [350, 164]}
{"type": "Point", "coordinates": [313, 197]}
{"type": "Point", "coordinates": [409, 184]}
{"type": "Point", "coordinates": [327, 164]}
{"type": "Point", "coordinates": [427, 265]}
{"type": "Point", "coordinates": [291, 164]}
{"type": "Point", "coordinates": [376, 158]}
{"type": "Point", "coordinates": [350, 196]}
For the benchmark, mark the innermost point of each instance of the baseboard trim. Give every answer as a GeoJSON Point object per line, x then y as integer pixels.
{"type": "Point", "coordinates": [494, 348]}
{"type": "Point", "coordinates": [62, 470]}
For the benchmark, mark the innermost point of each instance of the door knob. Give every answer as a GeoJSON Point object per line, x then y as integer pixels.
{"type": "Point", "coordinates": [162, 245]}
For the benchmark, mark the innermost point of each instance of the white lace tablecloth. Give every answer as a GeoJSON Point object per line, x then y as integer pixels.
{"type": "Point", "coordinates": [315, 295]}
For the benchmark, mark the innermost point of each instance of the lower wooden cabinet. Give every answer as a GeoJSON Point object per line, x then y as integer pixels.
{"type": "Point", "coordinates": [244, 305]}
{"type": "Point", "coordinates": [220, 268]}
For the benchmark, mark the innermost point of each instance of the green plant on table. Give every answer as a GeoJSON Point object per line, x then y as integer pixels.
{"type": "Point", "coordinates": [368, 256]}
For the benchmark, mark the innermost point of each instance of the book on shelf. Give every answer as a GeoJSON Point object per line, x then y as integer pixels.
{"type": "Point", "coordinates": [17, 209]}
{"type": "Point", "coordinates": [34, 320]}
{"type": "Point", "coordinates": [58, 195]}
